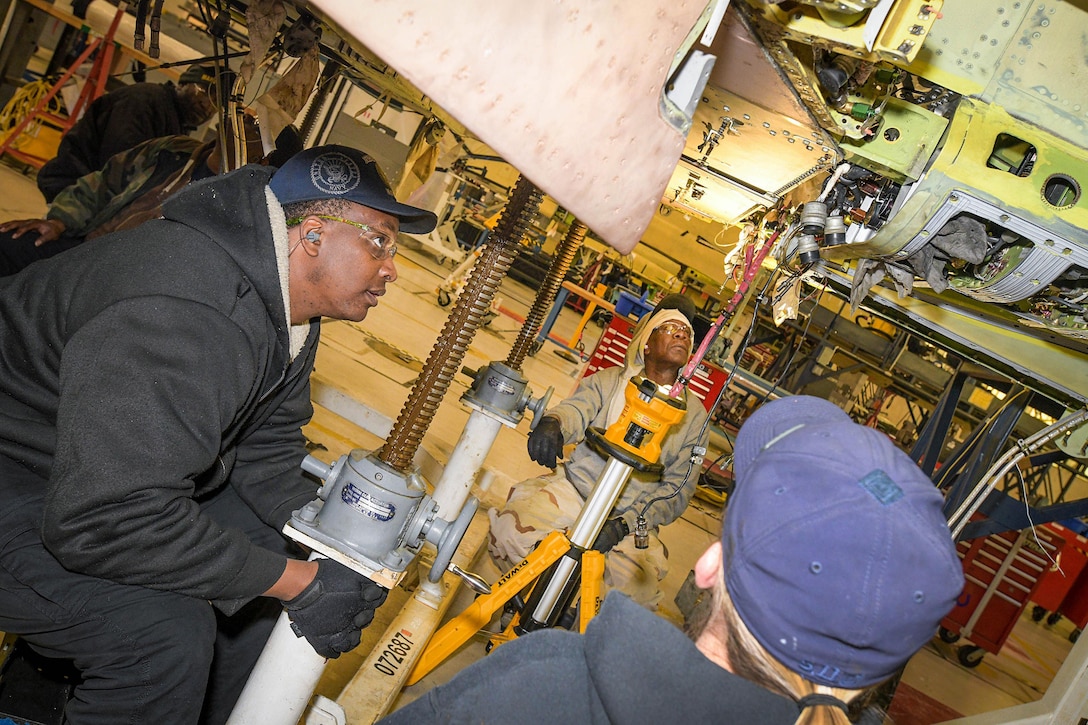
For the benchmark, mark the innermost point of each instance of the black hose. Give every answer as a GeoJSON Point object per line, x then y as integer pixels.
{"type": "Point", "coordinates": [156, 21]}
{"type": "Point", "coordinates": [141, 23]}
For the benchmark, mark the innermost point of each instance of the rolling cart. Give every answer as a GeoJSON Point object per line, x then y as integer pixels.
{"type": "Point", "coordinates": [1002, 573]}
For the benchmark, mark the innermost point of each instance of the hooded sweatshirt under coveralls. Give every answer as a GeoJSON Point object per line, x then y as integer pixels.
{"type": "Point", "coordinates": [137, 372]}
{"type": "Point", "coordinates": [536, 506]}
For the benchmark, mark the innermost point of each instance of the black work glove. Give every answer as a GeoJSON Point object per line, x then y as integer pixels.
{"type": "Point", "coordinates": [546, 442]}
{"type": "Point", "coordinates": [611, 534]}
{"type": "Point", "coordinates": [333, 609]}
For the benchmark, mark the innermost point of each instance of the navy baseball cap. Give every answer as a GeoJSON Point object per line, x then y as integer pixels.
{"type": "Point", "coordinates": [341, 172]}
{"type": "Point", "coordinates": [836, 554]}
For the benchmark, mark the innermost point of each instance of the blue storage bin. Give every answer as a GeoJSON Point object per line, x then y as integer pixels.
{"type": "Point", "coordinates": [630, 305]}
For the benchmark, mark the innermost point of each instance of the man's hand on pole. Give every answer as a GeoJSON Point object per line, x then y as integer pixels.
{"type": "Point", "coordinates": [333, 610]}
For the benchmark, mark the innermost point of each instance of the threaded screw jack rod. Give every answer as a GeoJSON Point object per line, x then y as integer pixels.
{"type": "Point", "coordinates": [472, 305]}
{"type": "Point", "coordinates": [545, 296]}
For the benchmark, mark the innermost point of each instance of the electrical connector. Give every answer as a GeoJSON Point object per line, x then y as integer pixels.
{"type": "Point", "coordinates": [642, 534]}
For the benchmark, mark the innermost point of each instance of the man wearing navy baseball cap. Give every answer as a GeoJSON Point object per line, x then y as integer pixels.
{"type": "Point", "coordinates": [153, 389]}
{"type": "Point", "coordinates": [835, 565]}
{"type": "Point", "coordinates": [342, 223]}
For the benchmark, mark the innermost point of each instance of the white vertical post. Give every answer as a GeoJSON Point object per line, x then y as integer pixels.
{"type": "Point", "coordinates": [465, 462]}
{"type": "Point", "coordinates": [282, 682]}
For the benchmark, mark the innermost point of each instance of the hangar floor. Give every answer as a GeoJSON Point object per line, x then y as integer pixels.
{"type": "Point", "coordinates": [376, 362]}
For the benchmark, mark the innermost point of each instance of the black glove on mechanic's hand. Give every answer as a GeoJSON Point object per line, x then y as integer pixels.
{"type": "Point", "coordinates": [546, 442]}
{"type": "Point", "coordinates": [611, 534]}
{"type": "Point", "coordinates": [333, 609]}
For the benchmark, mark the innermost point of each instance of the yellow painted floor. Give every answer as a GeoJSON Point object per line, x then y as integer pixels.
{"type": "Point", "coordinates": [376, 361]}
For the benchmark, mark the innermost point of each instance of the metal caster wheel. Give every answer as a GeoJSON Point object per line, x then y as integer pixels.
{"type": "Point", "coordinates": [1037, 613]}
{"type": "Point", "coordinates": [1053, 619]}
{"type": "Point", "coordinates": [969, 655]}
{"type": "Point", "coordinates": [948, 635]}
{"type": "Point", "coordinates": [443, 298]}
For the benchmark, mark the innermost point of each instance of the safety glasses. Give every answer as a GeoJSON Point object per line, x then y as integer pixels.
{"type": "Point", "coordinates": [379, 244]}
{"type": "Point", "coordinates": [671, 328]}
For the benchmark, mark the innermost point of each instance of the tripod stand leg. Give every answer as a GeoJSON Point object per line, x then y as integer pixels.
{"type": "Point", "coordinates": [460, 629]}
{"type": "Point", "coordinates": [590, 596]}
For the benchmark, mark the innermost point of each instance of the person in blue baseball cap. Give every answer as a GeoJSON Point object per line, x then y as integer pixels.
{"type": "Point", "coordinates": [834, 566]}
{"type": "Point", "coordinates": [153, 389]}
{"type": "Point", "coordinates": [835, 563]}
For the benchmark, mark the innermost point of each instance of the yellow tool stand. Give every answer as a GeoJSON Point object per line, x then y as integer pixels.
{"type": "Point", "coordinates": [632, 442]}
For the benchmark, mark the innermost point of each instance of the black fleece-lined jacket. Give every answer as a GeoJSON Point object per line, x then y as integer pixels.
{"type": "Point", "coordinates": [147, 368]}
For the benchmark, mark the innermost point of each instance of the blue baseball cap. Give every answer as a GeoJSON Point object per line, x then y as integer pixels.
{"type": "Point", "coordinates": [836, 554]}
{"type": "Point", "coordinates": [341, 172]}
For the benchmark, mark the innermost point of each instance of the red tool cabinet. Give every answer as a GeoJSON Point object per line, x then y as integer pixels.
{"type": "Point", "coordinates": [1074, 562]}
{"type": "Point", "coordinates": [1002, 572]}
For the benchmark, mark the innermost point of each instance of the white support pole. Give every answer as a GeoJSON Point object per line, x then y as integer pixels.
{"type": "Point", "coordinates": [282, 682]}
{"type": "Point", "coordinates": [465, 463]}
{"type": "Point", "coordinates": [286, 675]}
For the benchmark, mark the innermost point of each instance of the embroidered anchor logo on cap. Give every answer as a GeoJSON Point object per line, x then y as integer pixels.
{"type": "Point", "coordinates": [335, 173]}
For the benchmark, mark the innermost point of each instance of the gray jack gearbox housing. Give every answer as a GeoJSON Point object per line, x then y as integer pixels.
{"type": "Point", "coordinates": [503, 393]}
{"type": "Point", "coordinates": [377, 516]}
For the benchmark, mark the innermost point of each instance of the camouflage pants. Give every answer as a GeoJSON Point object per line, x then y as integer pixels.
{"type": "Point", "coordinates": [538, 506]}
